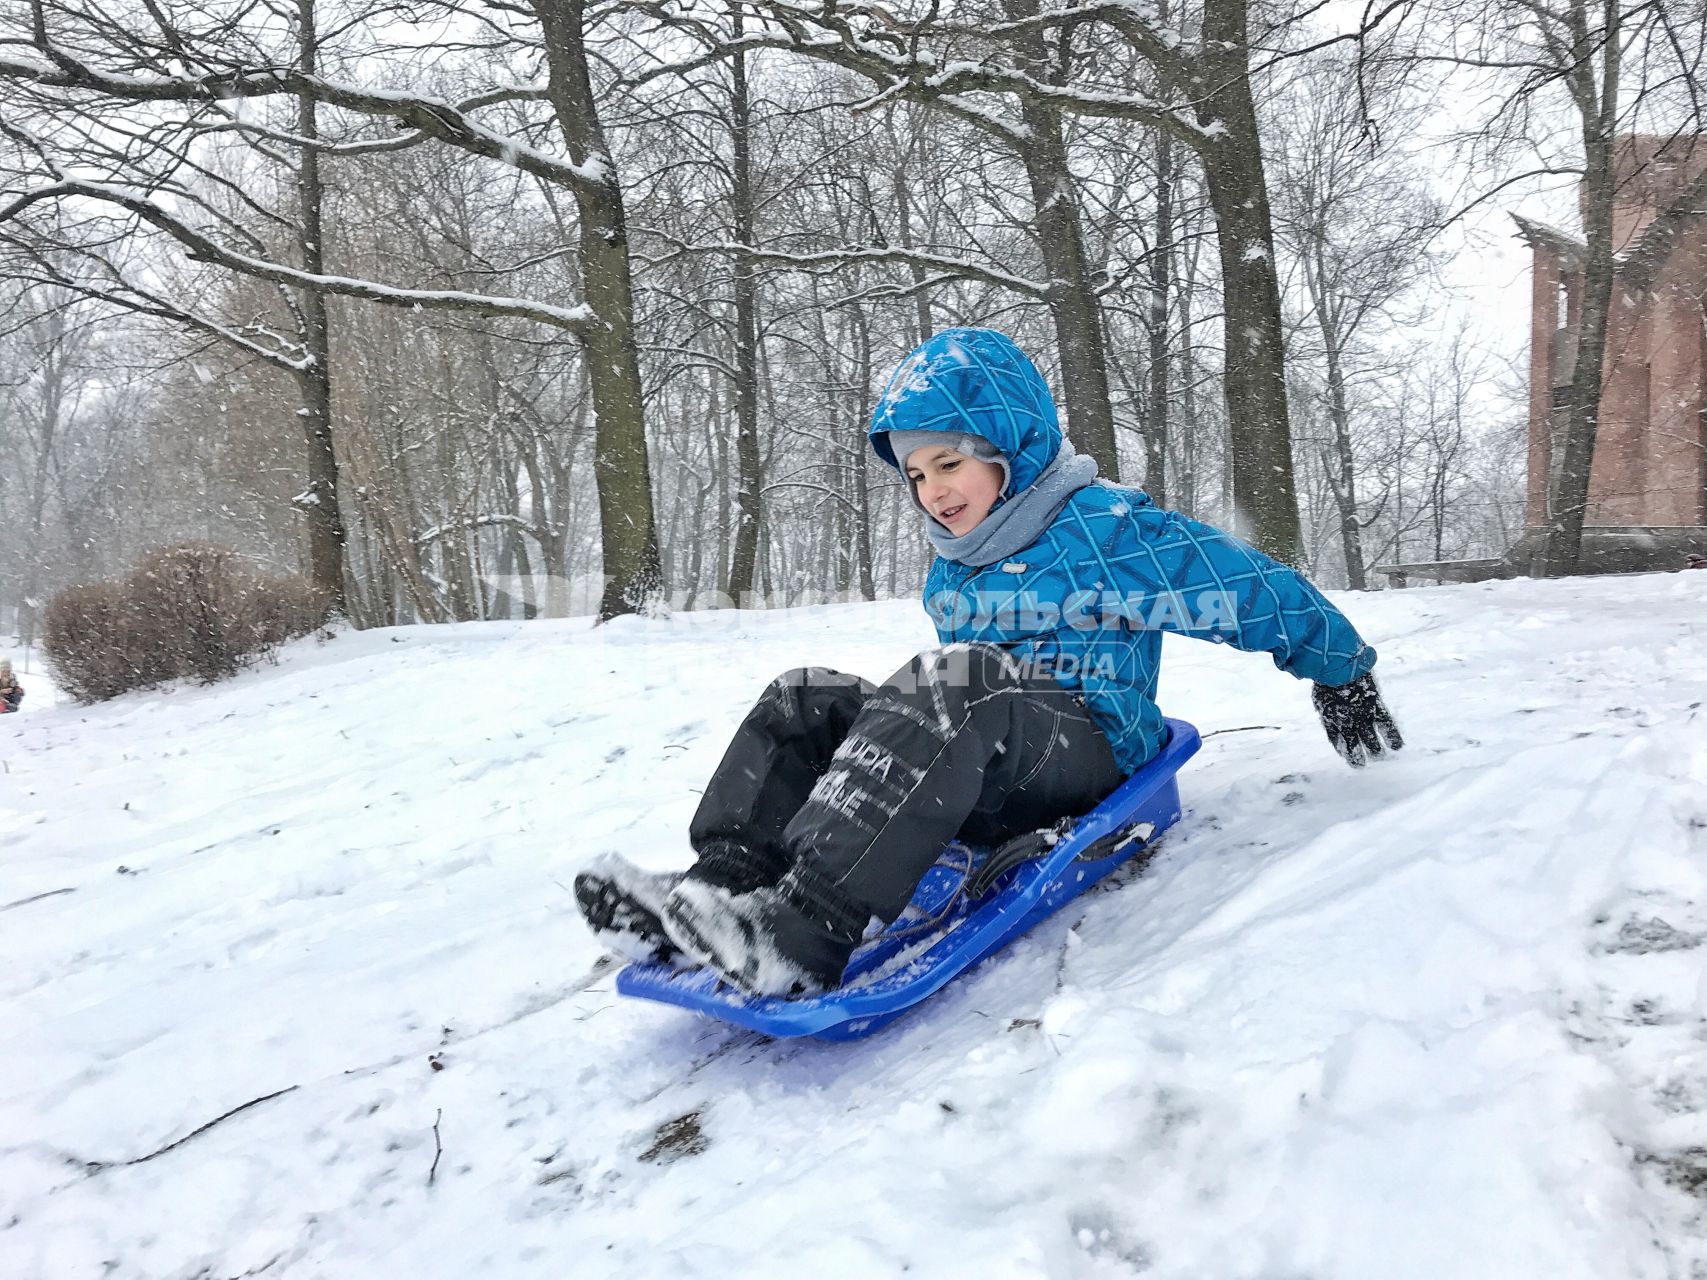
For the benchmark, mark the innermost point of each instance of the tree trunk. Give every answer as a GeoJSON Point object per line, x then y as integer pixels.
{"type": "Point", "coordinates": [1341, 467]}
{"type": "Point", "coordinates": [1265, 499]}
{"type": "Point", "coordinates": [452, 569]}
{"type": "Point", "coordinates": [1188, 459]}
{"type": "Point", "coordinates": [1598, 106]}
{"type": "Point", "coordinates": [896, 503]}
{"type": "Point", "coordinates": [1072, 297]}
{"type": "Point", "coordinates": [1073, 303]}
{"type": "Point", "coordinates": [319, 501]}
{"type": "Point", "coordinates": [718, 431]}
{"type": "Point", "coordinates": [904, 219]}
{"type": "Point", "coordinates": [627, 529]}
{"type": "Point", "coordinates": [861, 478]}
{"type": "Point", "coordinates": [1342, 471]}
{"type": "Point", "coordinates": [696, 554]}
{"type": "Point", "coordinates": [749, 499]}
{"type": "Point", "coordinates": [53, 369]}
{"type": "Point", "coordinates": [767, 580]}
{"type": "Point", "coordinates": [1161, 290]}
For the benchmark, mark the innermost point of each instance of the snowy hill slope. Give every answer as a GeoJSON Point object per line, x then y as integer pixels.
{"type": "Point", "coordinates": [1444, 1017]}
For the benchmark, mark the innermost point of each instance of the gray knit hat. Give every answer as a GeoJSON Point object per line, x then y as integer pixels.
{"type": "Point", "coordinates": [903, 443]}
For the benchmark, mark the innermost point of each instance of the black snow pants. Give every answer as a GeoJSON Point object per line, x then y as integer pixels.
{"type": "Point", "coordinates": [864, 785]}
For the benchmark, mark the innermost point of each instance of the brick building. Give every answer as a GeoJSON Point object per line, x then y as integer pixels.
{"type": "Point", "coordinates": [1648, 483]}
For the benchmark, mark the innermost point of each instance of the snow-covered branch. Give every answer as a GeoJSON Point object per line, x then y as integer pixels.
{"type": "Point", "coordinates": [432, 117]}
{"type": "Point", "coordinates": [280, 352]}
{"type": "Point", "coordinates": [490, 520]}
{"type": "Point", "coordinates": [576, 320]}
{"type": "Point", "coordinates": [834, 259]}
{"type": "Point", "coordinates": [917, 73]}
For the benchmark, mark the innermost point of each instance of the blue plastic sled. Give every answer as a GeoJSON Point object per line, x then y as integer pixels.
{"type": "Point", "coordinates": [919, 953]}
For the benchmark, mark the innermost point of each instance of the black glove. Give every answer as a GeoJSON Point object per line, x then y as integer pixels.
{"type": "Point", "coordinates": [1356, 720]}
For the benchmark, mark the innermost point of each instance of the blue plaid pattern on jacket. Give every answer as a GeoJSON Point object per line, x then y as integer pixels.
{"type": "Point", "coordinates": [1088, 600]}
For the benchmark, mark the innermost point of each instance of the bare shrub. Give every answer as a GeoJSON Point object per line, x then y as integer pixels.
{"type": "Point", "coordinates": [190, 610]}
{"type": "Point", "coordinates": [284, 608]}
{"type": "Point", "coordinates": [86, 635]}
{"type": "Point", "coordinates": [190, 602]}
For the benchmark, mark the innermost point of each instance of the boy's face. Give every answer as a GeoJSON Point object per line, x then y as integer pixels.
{"type": "Point", "coordinates": [958, 491]}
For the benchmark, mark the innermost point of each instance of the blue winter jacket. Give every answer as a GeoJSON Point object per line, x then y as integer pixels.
{"type": "Point", "coordinates": [1088, 600]}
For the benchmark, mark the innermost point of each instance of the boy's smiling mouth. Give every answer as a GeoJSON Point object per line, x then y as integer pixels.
{"type": "Point", "coordinates": [951, 514]}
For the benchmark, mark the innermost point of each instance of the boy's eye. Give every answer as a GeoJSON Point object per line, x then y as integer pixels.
{"type": "Point", "coordinates": [950, 466]}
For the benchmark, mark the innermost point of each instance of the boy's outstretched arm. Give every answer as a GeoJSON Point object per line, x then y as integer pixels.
{"type": "Point", "coordinates": [1220, 588]}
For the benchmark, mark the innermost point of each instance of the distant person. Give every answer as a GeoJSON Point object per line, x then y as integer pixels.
{"type": "Point", "coordinates": [1050, 592]}
{"type": "Point", "coordinates": [11, 692]}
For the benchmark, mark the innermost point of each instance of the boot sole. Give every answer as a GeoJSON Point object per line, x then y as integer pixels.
{"type": "Point", "coordinates": [621, 922]}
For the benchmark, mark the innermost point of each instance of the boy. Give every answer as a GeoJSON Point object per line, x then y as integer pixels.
{"type": "Point", "coordinates": [11, 692]}
{"type": "Point", "coordinates": [1049, 592]}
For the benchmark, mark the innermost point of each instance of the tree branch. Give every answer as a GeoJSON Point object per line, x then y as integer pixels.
{"type": "Point", "coordinates": [430, 116]}
{"type": "Point", "coordinates": [96, 1166]}
{"type": "Point", "coordinates": [576, 320]}
{"type": "Point", "coordinates": [830, 259]}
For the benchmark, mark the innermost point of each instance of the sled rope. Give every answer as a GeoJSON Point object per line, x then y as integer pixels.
{"type": "Point", "coordinates": [976, 881]}
{"type": "Point", "coordinates": [930, 923]}
{"type": "Point", "coordinates": [1022, 848]}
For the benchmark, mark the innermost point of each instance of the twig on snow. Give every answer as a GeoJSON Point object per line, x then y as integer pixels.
{"type": "Point", "coordinates": [438, 1147]}
{"type": "Point", "coordinates": [36, 897]}
{"type": "Point", "coordinates": [95, 1166]}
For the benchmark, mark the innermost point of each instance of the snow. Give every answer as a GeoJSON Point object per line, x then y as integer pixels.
{"type": "Point", "coordinates": [1440, 1017]}
{"type": "Point", "coordinates": [917, 373]}
{"type": "Point", "coordinates": [1017, 131]}
{"type": "Point", "coordinates": [24, 68]}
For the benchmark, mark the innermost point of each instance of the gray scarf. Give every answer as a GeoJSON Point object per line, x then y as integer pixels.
{"type": "Point", "coordinates": [1018, 522]}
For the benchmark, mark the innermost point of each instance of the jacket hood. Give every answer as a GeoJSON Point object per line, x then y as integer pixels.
{"type": "Point", "coordinates": [977, 381]}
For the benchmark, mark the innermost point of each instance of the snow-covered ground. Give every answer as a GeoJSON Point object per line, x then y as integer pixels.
{"type": "Point", "coordinates": [1444, 1017]}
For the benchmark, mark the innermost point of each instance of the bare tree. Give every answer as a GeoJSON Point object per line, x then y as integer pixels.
{"type": "Point", "coordinates": [1049, 62]}
{"type": "Point", "coordinates": [67, 82]}
{"type": "Point", "coordinates": [1358, 221]}
{"type": "Point", "coordinates": [1614, 68]}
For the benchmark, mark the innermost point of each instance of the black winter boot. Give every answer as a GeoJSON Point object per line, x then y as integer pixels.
{"type": "Point", "coordinates": [792, 939]}
{"type": "Point", "coordinates": [621, 905]}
